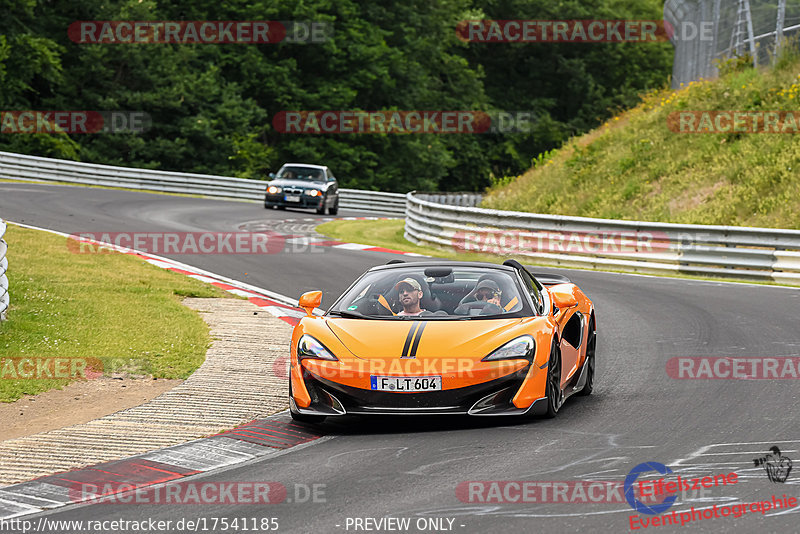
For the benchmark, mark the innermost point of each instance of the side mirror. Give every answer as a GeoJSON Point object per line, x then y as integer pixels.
{"type": "Point", "coordinates": [272, 175]}
{"type": "Point", "coordinates": [310, 300]}
{"type": "Point", "coordinates": [564, 300]}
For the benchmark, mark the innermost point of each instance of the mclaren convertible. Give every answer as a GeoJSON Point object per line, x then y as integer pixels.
{"type": "Point", "coordinates": [444, 338]}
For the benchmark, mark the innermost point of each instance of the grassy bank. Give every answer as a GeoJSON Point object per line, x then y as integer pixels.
{"type": "Point", "coordinates": [112, 310]}
{"type": "Point", "coordinates": [635, 167]}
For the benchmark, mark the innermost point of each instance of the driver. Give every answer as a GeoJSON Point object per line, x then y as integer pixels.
{"type": "Point", "coordinates": [488, 291]}
{"type": "Point", "coordinates": [410, 293]}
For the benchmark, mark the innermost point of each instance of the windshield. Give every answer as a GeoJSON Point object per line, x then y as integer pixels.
{"type": "Point", "coordinates": [311, 174]}
{"type": "Point", "coordinates": [432, 293]}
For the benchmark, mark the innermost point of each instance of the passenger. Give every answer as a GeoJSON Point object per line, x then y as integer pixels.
{"type": "Point", "coordinates": [488, 291]}
{"type": "Point", "coordinates": [487, 300]}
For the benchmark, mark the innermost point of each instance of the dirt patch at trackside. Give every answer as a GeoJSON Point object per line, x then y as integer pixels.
{"type": "Point", "coordinates": [76, 403]}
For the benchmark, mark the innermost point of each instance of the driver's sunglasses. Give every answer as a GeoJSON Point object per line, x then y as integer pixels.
{"type": "Point", "coordinates": [485, 295]}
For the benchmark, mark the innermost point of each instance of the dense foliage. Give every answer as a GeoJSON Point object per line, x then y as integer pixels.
{"type": "Point", "coordinates": [212, 105]}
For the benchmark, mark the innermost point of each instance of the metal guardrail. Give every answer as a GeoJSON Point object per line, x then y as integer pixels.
{"type": "Point", "coordinates": [374, 201]}
{"type": "Point", "coordinates": [469, 200]}
{"type": "Point", "coordinates": [20, 166]}
{"type": "Point", "coordinates": [4, 296]}
{"type": "Point", "coordinates": [632, 246]}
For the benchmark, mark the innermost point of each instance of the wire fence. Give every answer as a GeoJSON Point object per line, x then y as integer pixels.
{"type": "Point", "coordinates": [707, 32]}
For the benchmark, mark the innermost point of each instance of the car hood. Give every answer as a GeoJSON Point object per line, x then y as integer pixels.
{"type": "Point", "coordinates": [301, 184]}
{"type": "Point", "coordinates": [392, 339]}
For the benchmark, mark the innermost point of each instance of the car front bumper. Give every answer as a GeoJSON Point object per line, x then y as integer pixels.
{"type": "Point", "coordinates": [490, 398]}
{"type": "Point", "coordinates": [305, 202]}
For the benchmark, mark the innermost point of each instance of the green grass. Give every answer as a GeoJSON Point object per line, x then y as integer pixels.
{"type": "Point", "coordinates": [109, 306]}
{"type": "Point", "coordinates": [635, 168]}
{"type": "Point", "coordinates": [389, 234]}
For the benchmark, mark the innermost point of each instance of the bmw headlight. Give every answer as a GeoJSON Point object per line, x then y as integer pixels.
{"type": "Point", "coordinates": [518, 348]}
{"type": "Point", "coordinates": [310, 348]}
{"type": "Point", "coordinates": [313, 192]}
{"type": "Point", "coordinates": [273, 189]}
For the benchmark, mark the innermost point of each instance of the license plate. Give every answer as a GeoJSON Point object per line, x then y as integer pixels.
{"type": "Point", "coordinates": [406, 383]}
{"type": "Point", "coordinates": [292, 198]}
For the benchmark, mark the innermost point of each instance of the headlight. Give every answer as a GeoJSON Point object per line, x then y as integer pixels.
{"type": "Point", "coordinates": [313, 192]}
{"type": "Point", "coordinates": [273, 189]}
{"type": "Point", "coordinates": [310, 348]}
{"type": "Point", "coordinates": [519, 348]}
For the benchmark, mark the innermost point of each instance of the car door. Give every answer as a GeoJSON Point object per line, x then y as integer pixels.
{"type": "Point", "coordinates": [566, 325]}
{"type": "Point", "coordinates": [571, 323]}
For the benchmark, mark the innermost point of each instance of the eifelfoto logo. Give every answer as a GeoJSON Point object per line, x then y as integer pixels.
{"type": "Point", "coordinates": [630, 496]}
{"type": "Point", "coordinates": [777, 467]}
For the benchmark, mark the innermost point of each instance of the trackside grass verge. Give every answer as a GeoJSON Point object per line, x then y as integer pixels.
{"type": "Point", "coordinates": [389, 234]}
{"type": "Point", "coordinates": [114, 311]}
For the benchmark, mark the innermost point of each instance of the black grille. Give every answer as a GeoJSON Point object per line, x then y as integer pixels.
{"type": "Point", "coordinates": [461, 399]}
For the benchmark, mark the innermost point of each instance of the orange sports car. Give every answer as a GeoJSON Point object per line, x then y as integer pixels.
{"type": "Point", "coordinates": [444, 338]}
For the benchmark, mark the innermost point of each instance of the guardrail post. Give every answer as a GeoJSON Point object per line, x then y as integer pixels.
{"type": "Point", "coordinates": [4, 296]}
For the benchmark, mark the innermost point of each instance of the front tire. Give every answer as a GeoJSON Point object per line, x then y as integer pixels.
{"type": "Point", "coordinates": [554, 393]}
{"type": "Point", "coordinates": [591, 344]}
{"type": "Point", "coordinates": [335, 208]}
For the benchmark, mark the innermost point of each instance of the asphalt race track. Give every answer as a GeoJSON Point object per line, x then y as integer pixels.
{"type": "Point", "coordinates": [419, 468]}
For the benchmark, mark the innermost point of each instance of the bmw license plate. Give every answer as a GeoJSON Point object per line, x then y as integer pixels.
{"type": "Point", "coordinates": [406, 383]}
{"type": "Point", "coordinates": [292, 198]}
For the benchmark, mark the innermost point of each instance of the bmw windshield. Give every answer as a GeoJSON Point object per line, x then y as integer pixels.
{"type": "Point", "coordinates": [310, 174]}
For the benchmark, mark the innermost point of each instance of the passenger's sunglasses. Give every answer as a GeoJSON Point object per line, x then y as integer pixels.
{"type": "Point", "coordinates": [405, 288]}
{"type": "Point", "coordinates": [485, 295]}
